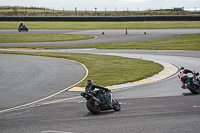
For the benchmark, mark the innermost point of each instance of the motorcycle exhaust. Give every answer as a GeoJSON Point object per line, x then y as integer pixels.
{"type": "Point", "coordinates": [94, 98]}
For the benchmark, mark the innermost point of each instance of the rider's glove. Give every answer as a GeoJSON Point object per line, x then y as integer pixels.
{"type": "Point", "coordinates": [106, 89]}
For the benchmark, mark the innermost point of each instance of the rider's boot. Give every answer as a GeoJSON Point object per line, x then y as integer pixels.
{"type": "Point", "coordinates": [183, 87]}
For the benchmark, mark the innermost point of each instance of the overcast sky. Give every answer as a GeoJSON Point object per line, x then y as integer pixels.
{"type": "Point", "coordinates": [102, 5]}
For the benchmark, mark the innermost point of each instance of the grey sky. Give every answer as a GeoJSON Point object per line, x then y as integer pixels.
{"type": "Point", "coordinates": [101, 5]}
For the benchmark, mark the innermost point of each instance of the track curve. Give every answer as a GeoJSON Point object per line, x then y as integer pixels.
{"type": "Point", "coordinates": [25, 79]}
{"type": "Point", "coordinates": [110, 36]}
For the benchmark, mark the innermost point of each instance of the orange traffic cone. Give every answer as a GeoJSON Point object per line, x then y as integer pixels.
{"type": "Point", "coordinates": [126, 31]}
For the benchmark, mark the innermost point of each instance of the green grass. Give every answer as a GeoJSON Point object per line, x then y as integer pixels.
{"type": "Point", "coordinates": [105, 25]}
{"type": "Point", "coordinates": [37, 37]}
{"type": "Point", "coordinates": [107, 70]}
{"type": "Point", "coordinates": [182, 42]}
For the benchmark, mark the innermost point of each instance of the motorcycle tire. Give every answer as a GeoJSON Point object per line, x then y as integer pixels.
{"type": "Point", "coordinates": [193, 88]}
{"type": "Point", "coordinates": [116, 105]}
{"type": "Point", "coordinates": [92, 108]}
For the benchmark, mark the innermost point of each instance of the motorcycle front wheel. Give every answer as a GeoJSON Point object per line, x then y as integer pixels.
{"type": "Point", "coordinates": [116, 105]}
{"type": "Point", "coordinates": [193, 88]}
{"type": "Point", "coordinates": [92, 108]}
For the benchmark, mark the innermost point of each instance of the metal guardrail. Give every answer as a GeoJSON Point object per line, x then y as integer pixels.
{"type": "Point", "coordinates": [103, 18]}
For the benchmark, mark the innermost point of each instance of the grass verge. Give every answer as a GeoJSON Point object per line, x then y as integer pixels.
{"type": "Point", "coordinates": [105, 25]}
{"type": "Point", "coordinates": [37, 37]}
{"type": "Point", "coordinates": [107, 70]}
{"type": "Point", "coordinates": [182, 42]}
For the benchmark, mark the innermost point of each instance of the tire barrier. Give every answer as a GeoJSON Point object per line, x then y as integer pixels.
{"type": "Point", "coordinates": [103, 18]}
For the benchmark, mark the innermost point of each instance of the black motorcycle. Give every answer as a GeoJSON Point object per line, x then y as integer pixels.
{"type": "Point", "coordinates": [191, 82]}
{"type": "Point", "coordinates": [22, 28]}
{"type": "Point", "coordinates": [100, 100]}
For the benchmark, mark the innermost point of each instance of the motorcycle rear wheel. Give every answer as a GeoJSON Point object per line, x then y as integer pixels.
{"type": "Point", "coordinates": [92, 108]}
{"type": "Point", "coordinates": [116, 105]}
{"type": "Point", "coordinates": [193, 88]}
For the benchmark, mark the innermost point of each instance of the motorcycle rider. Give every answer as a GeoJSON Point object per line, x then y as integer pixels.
{"type": "Point", "coordinates": [90, 87]}
{"type": "Point", "coordinates": [20, 25]}
{"type": "Point", "coordinates": [186, 71]}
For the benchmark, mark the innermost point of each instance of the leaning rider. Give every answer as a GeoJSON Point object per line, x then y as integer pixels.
{"type": "Point", "coordinates": [186, 71]}
{"type": "Point", "coordinates": [20, 25]}
{"type": "Point", "coordinates": [90, 87]}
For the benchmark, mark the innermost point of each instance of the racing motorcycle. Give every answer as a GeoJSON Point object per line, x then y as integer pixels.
{"type": "Point", "coordinates": [100, 100]}
{"type": "Point", "coordinates": [191, 82]}
{"type": "Point", "coordinates": [22, 28]}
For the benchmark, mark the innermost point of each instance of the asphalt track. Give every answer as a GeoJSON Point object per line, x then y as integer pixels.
{"type": "Point", "coordinates": [25, 79]}
{"type": "Point", "coordinates": [149, 108]}
{"type": "Point", "coordinates": [109, 37]}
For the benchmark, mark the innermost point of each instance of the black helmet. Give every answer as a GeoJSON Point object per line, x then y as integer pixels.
{"type": "Point", "coordinates": [90, 82]}
{"type": "Point", "coordinates": [196, 73]}
{"type": "Point", "coordinates": [89, 85]}
{"type": "Point", "coordinates": [182, 68]}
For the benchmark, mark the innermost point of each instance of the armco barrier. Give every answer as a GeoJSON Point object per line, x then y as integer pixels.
{"type": "Point", "coordinates": [104, 18]}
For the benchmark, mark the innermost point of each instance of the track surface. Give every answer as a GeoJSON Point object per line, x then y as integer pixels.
{"type": "Point", "coordinates": [109, 37]}
{"type": "Point", "coordinates": [26, 79]}
{"type": "Point", "coordinates": [155, 107]}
